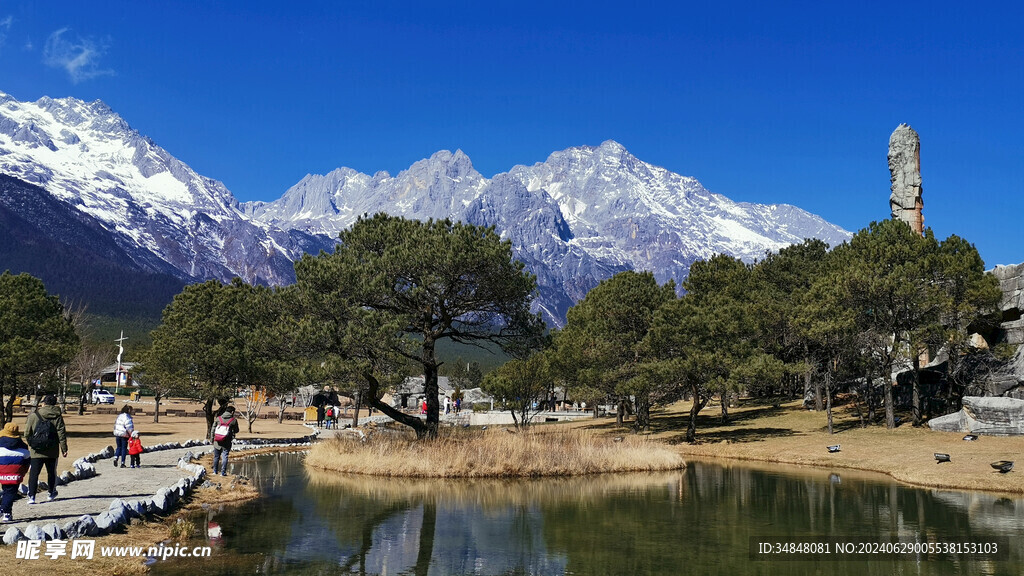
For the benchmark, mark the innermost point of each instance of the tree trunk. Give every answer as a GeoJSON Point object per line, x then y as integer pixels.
{"type": "Point", "coordinates": [426, 548]}
{"type": "Point", "coordinates": [9, 408]}
{"type": "Point", "coordinates": [916, 402]}
{"type": "Point", "coordinates": [156, 410]}
{"type": "Point", "coordinates": [828, 398]}
{"type": "Point", "coordinates": [3, 413]}
{"type": "Point", "coordinates": [280, 409]}
{"type": "Point", "coordinates": [724, 395]}
{"type": "Point", "coordinates": [890, 408]}
{"type": "Point", "coordinates": [430, 387]}
{"type": "Point", "coordinates": [620, 411]}
{"type": "Point", "coordinates": [643, 415]}
{"type": "Point", "coordinates": [358, 405]}
{"type": "Point", "coordinates": [208, 410]}
{"type": "Point", "coordinates": [691, 426]}
{"type": "Point", "coordinates": [81, 399]}
{"type": "Point", "coordinates": [397, 415]}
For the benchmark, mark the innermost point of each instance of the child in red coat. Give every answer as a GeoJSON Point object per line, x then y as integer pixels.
{"type": "Point", "coordinates": [134, 449]}
{"type": "Point", "coordinates": [14, 460]}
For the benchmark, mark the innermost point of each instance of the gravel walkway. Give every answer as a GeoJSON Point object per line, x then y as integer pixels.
{"type": "Point", "coordinates": [93, 495]}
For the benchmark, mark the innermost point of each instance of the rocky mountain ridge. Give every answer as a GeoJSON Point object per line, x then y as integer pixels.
{"type": "Point", "coordinates": [579, 217]}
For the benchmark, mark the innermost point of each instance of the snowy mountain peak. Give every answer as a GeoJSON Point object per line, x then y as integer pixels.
{"type": "Point", "coordinates": [88, 156]}
{"type": "Point", "coordinates": [584, 214]}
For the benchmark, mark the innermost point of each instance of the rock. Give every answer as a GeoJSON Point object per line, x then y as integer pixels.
{"type": "Point", "coordinates": [189, 456]}
{"type": "Point", "coordinates": [43, 485]}
{"type": "Point", "coordinates": [107, 452]}
{"type": "Point", "coordinates": [82, 526]}
{"type": "Point", "coordinates": [54, 532]}
{"type": "Point", "coordinates": [119, 507]}
{"type": "Point", "coordinates": [162, 500]}
{"type": "Point", "coordinates": [991, 416]}
{"type": "Point", "coordinates": [905, 175]}
{"type": "Point", "coordinates": [137, 508]}
{"type": "Point", "coordinates": [12, 535]}
{"type": "Point", "coordinates": [34, 532]}
{"type": "Point", "coordinates": [66, 477]}
{"type": "Point", "coordinates": [108, 521]}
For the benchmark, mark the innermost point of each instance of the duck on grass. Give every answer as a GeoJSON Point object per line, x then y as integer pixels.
{"type": "Point", "coordinates": [492, 454]}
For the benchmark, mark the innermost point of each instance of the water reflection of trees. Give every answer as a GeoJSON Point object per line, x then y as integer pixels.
{"type": "Point", "coordinates": [695, 521]}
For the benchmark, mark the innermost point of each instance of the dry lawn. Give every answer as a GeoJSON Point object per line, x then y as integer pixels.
{"type": "Point", "coordinates": [789, 434]}
{"type": "Point", "coordinates": [493, 453]}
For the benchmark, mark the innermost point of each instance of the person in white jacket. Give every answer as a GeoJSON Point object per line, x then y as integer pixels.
{"type": "Point", "coordinates": [123, 428]}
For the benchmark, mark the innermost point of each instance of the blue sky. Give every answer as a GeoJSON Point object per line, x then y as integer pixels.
{"type": "Point", "coordinates": [766, 102]}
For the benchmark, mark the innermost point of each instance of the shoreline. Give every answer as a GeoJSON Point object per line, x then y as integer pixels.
{"type": "Point", "coordinates": [793, 436]}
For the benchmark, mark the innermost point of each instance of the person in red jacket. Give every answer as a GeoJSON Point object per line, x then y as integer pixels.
{"type": "Point", "coordinates": [134, 449]}
{"type": "Point", "coordinates": [14, 460]}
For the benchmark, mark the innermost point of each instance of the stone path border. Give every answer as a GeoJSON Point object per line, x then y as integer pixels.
{"type": "Point", "coordinates": [123, 507]}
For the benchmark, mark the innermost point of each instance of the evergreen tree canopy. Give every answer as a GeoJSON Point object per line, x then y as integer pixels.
{"type": "Point", "coordinates": [35, 333]}
{"type": "Point", "coordinates": [405, 285]}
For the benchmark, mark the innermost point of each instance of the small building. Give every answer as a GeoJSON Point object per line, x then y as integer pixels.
{"type": "Point", "coordinates": [110, 378]}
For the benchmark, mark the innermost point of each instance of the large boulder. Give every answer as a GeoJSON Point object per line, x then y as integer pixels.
{"type": "Point", "coordinates": [984, 415]}
{"type": "Point", "coordinates": [12, 535]}
{"type": "Point", "coordinates": [82, 526]}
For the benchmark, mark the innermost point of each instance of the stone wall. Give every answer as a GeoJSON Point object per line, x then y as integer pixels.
{"type": "Point", "coordinates": [984, 415]}
{"type": "Point", "coordinates": [1009, 381]}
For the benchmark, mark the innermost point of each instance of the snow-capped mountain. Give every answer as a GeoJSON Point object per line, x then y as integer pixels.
{"type": "Point", "coordinates": [575, 219]}
{"type": "Point", "coordinates": [89, 157]}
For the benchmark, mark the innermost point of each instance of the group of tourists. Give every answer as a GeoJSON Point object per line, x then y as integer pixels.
{"type": "Point", "coordinates": [449, 405]}
{"type": "Point", "coordinates": [324, 401]}
{"type": "Point", "coordinates": [44, 439]}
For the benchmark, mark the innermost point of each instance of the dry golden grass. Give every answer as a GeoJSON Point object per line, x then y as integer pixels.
{"type": "Point", "coordinates": [791, 435]}
{"type": "Point", "coordinates": [494, 492]}
{"type": "Point", "coordinates": [493, 454]}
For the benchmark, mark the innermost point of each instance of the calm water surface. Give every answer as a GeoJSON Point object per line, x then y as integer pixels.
{"type": "Point", "coordinates": [698, 521]}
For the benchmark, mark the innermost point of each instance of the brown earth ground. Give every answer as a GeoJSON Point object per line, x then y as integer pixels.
{"type": "Point", "coordinates": [93, 432]}
{"type": "Point", "coordinates": [791, 435]}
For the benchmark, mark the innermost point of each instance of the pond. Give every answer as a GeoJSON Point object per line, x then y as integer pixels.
{"type": "Point", "coordinates": [712, 518]}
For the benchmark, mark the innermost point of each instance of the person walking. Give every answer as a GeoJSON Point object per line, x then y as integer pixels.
{"type": "Point", "coordinates": [14, 460]}
{"type": "Point", "coordinates": [224, 429]}
{"type": "Point", "coordinates": [123, 428]}
{"type": "Point", "coordinates": [47, 440]}
{"type": "Point", "coordinates": [134, 449]}
{"type": "Point", "coordinates": [320, 403]}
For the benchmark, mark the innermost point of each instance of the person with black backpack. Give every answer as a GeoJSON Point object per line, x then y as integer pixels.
{"type": "Point", "coordinates": [47, 439]}
{"type": "Point", "coordinates": [225, 426]}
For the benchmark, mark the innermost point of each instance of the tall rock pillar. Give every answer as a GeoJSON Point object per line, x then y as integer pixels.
{"type": "Point", "coordinates": [905, 171]}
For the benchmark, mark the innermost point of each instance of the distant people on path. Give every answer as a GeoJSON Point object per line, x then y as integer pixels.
{"type": "Point", "coordinates": [330, 414]}
{"type": "Point", "coordinates": [134, 449]}
{"type": "Point", "coordinates": [123, 428]}
{"type": "Point", "coordinates": [14, 461]}
{"type": "Point", "coordinates": [47, 440]}
{"type": "Point", "coordinates": [447, 405]}
{"type": "Point", "coordinates": [458, 405]}
{"type": "Point", "coordinates": [423, 406]}
{"type": "Point", "coordinates": [224, 429]}
{"type": "Point", "coordinates": [321, 400]}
